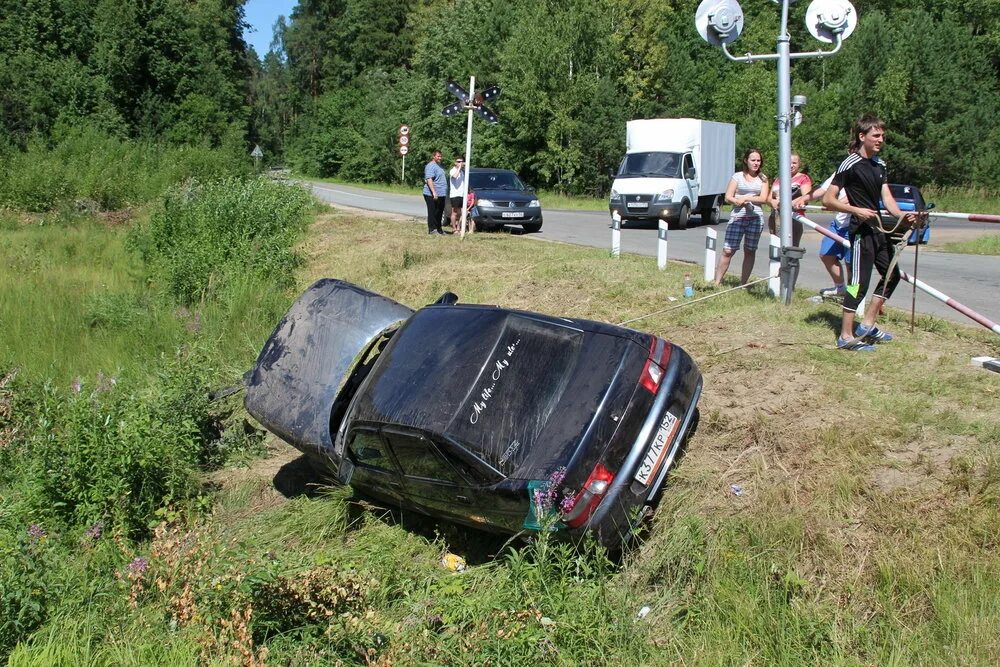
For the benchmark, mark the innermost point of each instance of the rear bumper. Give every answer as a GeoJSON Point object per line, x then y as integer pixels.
{"type": "Point", "coordinates": [615, 520]}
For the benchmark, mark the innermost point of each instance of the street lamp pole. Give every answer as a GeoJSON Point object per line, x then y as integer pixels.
{"type": "Point", "coordinates": [720, 22]}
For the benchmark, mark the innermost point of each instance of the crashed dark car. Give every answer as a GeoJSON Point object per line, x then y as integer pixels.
{"type": "Point", "coordinates": [495, 418]}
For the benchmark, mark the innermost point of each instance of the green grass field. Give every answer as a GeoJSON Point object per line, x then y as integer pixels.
{"type": "Point", "coordinates": [831, 509]}
{"type": "Point", "coordinates": [987, 245]}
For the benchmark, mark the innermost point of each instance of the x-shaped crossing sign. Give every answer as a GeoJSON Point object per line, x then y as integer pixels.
{"type": "Point", "coordinates": [477, 103]}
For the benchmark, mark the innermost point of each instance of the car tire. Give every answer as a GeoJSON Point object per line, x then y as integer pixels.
{"type": "Point", "coordinates": [683, 217]}
{"type": "Point", "coordinates": [531, 227]}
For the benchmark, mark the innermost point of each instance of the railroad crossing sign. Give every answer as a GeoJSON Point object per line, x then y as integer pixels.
{"type": "Point", "coordinates": [477, 103]}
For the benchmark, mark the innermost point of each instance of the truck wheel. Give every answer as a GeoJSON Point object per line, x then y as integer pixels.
{"type": "Point", "coordinates": [683, 216]}
{"type": "Point", "coordinates": [710, 216]}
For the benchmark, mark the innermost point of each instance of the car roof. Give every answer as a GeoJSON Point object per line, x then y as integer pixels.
{"type": "Point", "coordinates": [517, 389]}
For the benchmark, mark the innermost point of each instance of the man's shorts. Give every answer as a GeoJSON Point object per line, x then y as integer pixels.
{"type": "Point", "coordinates": [830, 248]}
{"type": "Point", "coordinates": [456, 203]}
{"type": "Point", "coordinates": [749, 226]}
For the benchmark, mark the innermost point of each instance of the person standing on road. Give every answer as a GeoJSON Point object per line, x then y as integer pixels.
{"type": "Point", "coordinates": [456, 183]}
{"type": "Point", "coordinates": [832, 253]}
{"type": "Point", "coordinates": [435, 190]}
{"type": "Point", "coordinates": [801, 187]}
{"type": "Point", "coordinates": [863, 176]}
{"type": "Point", "coordinates": [746, 193]}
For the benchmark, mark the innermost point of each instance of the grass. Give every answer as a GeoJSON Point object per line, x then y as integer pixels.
{"type": "Point", "coordinates": [987, 245]}
{"type": "Point", "coordinates": [867, 529]}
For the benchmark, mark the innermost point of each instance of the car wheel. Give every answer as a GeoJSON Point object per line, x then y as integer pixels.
{"type": "Point", "coordinates": [531, 227]}
{"type": "Point", "coordinates": [683, 216]}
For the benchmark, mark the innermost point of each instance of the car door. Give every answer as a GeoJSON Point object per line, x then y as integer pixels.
{"type": "Point", "coordinates": [430, 481]}
{"type": "Point", "coordinates": [692, 183]}
{"type": "Point", "coordinates": [374, 470]}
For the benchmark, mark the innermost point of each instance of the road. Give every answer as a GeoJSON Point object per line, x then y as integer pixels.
{"type": "Point", "coordinates": [971, 279]}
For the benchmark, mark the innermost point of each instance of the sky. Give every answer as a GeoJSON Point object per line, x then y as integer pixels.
{"type": "Point", "coordinates": [261, 15]}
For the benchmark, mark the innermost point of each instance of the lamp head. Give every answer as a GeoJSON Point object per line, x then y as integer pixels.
{"type": "Point", "coordinates": [828, 19]}
{"type": "Point", "coordinates": [719, 21]}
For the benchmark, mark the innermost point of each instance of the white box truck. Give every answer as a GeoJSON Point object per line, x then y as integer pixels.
{"type": "Point", "coordinates": [673, 168]}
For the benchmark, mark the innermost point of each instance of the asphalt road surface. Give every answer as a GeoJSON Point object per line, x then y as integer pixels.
{"type": "Point", "coordinates": [970, 279]}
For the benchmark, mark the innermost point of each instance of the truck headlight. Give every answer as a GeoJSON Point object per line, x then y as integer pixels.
{"type": "Point", "coordinates": [666, 195]}
{"type": "Point", "coordinates": [534, 203]}
{"type": "Point", "coordinates": [481, 203]}
{"type": "Point", "coordinates": [616, 196]}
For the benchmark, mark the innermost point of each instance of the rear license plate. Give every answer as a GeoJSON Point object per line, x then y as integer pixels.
{"type": "Point", "coordinates": [658, 450]}
{"type": "Point", "coordinates": [512, 214]}
{"type": "Point", "coordinates": [637, 204]}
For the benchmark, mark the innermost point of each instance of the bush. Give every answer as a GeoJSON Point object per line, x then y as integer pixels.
{"type": "Point", "coordinates": [96, 169]}
{"type": "Point", "coordinates": [203, 239]}
{"type": "Point", "coordinates": [114, 456]}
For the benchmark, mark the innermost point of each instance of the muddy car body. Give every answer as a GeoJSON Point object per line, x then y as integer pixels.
{"type": "Point", "coordinates": [480, 415]}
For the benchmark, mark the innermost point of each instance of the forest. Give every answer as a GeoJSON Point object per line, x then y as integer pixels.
{"type": "Point", "coordinates": [342, 75]}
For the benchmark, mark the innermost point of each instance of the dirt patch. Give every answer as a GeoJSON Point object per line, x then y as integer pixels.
{"type": "Point", "coordinates": [919, 466]}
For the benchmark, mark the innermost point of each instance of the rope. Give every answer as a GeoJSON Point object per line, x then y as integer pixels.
{"type": "Point", "coordinates": [691, 303]}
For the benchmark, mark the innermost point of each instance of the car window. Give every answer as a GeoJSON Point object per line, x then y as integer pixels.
{"type": "Point", "coordinates": [368, 450]}
{"type": "Point", "coordinates": [418, 457]}
{"type": "Point", "coordinates": [688, 163]}
{"type": "Point", "coordinates": [502, 180]}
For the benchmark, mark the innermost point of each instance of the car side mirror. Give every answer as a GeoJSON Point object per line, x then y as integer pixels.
{"type": "Point", "coordinates": [611, 173]}
{"type": "Point", "coordinates": [690, 173]}
{"type": "Point", "coordinates": [446, 299]}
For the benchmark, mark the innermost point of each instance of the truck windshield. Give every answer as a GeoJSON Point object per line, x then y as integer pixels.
{"type": "Point", "coordinates": [662, 165]}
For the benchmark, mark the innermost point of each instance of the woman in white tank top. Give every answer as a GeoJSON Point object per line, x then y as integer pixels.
{"type": "Point", "coordinates": [746, 192]}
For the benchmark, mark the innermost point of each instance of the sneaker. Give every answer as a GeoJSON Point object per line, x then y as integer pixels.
{"type": "Point", "coordinates": [873, 335]}
{"type": "Point", "coordinates": [854, 345]}
{"type": "Point", "coordinates": [832, 292]}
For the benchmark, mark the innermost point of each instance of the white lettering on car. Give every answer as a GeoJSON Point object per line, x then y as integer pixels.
{"type": "Point", "coordinates": [499, 367]}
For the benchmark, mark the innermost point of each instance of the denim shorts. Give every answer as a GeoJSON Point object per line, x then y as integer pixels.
{"type": "Point", "coordinates": [749, 226]}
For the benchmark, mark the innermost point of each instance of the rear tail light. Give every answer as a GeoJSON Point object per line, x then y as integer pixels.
{"type": "Point", "coordinates": [652, 372]}
{"type": "Point", "coordinates": [590, 496]}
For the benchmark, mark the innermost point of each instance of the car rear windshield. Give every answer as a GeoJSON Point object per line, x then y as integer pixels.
{"type": "Point", "coordinates": [496, 180]}
{"type": "Point", "coordinates": [661, 165]}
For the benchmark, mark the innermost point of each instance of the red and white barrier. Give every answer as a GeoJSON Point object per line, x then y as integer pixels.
{"type": "Point", "coordinates": [822, 230]}
{"type": "Point", "coordinates": [947, 300]}
{"type": "Point", "coordinates": [968, 217]}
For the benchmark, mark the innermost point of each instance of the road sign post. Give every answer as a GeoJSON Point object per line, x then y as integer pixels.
{"type": "Point", "coordinates": [256, 154]}
{"type": "Point", "coordinates": [403, 139]}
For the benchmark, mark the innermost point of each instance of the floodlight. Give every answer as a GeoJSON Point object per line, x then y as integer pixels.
{"type": "Point", "coordinates": [829, 19]}
{"type": "Point", "coordinates": [719, 21]}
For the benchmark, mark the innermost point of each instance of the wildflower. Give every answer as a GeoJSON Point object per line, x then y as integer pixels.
{"type": "Point", "coordinates": [35, 532]}
{"type": "Point", "coordinates": [77, 385]}
{"type": "Point", "coordinates": [138, 566]}
{"type": "Point", "coordinates": [567, 503]}
{"type": "Point", "coordinates": [95, 531]}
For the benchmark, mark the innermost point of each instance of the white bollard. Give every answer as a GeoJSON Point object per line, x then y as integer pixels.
{"type": "Point", "coordinates": [774, 266]}
{"type": "Point", "coordinates": [661, 246]}
{"type": "Point", "coordinates": [616, 234]}
{"type": "Point", "coordinates": [711, 238]}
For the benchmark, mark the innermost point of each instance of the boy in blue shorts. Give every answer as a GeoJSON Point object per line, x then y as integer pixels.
{"type": "Point", "coordinates": [832, 253]}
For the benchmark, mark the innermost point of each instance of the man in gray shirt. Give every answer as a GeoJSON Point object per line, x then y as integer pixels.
{"type": "Point", "coordinates": [435, 191]}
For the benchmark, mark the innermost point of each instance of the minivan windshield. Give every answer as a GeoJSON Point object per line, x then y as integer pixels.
{"type": "Point", "coordinates": [658, 164]}
{"type": "Point", "coordinates": [496, 180]}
